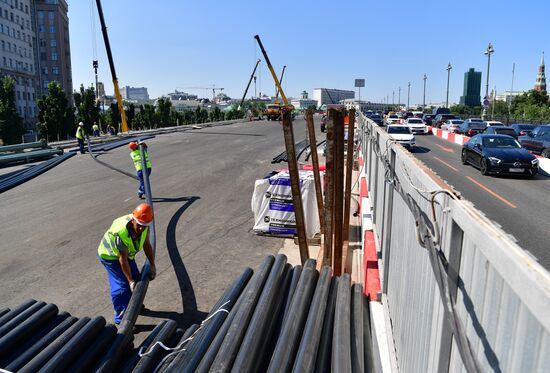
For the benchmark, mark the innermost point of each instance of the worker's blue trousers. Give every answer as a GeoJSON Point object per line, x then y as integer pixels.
{"type": "Point", "coordinates": [141, 189]}
{"type": "Point", "coordinates": [120, 288]}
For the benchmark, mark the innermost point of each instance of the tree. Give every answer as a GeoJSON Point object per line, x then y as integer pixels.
{"type": "Point", "coordinates": [55, 115]}
{"type": "Point", "coordinates": [163, 111]}
{"type": "Point", "coordinates": [114, 114]}
{"type": "Point", "coordinates": [215, 115]}
{"type": "Point", "coordinates": [11, 123]}
{"type": "Point", "coordinates": [130, 114]}
{"type": "Point", "coordinates": [149, 116]}
{"type": "Point", "coordinates": [86, 106]}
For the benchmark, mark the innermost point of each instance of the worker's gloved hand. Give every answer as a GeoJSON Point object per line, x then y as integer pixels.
{"type": "Point", "coordinates": [153, 273]}
{"type": "Point", "coordinates": [132, 285]}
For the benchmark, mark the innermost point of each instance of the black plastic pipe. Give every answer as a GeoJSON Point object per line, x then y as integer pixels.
{"type": "Point", "coordinates": [309, 344]}
{"type": "Point", "coordinates": [45, 354]}
{"type": "Point", "coordinates": [26, 352]}
{"type": "Point", "coordinates": [248, 358]}
{"type": "Point", "coordinates": [16, 311]}
{"type": "Point", "coordinates": [357, 338]}
{"type": "Point", "coordinates": [155, 353]}
{"type": "Point", "coordinates": [289, 339]}
{"type": "Point", "coordinates": [367, 339]}
{"type": "Point", "coordinates": [27, 328]}
{"type": "Point", "coordinates": [17, 320]}
{"type": "Point", "coordinates": [86, 361]}
{"type": "Point", "coordinates": [289, 294]}
{"type": "Point", "coordinates": [341, 340]}
{"type": "Point", "coordinates": [3, 311]}
{"type": "Point", "coordinates": [75, 346]}
{"type": "Point", "coordinates": [324, 353]}
{"type": "Point", "coordinates": [165, 363]}
{"type": "Point", "coordinates": [134, 357]}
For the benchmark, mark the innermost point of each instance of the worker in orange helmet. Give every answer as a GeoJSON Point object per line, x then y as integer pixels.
{"type": "Point", "coordinates": [119, 245]}
{"type": "Point", "coordinates": [136, 158]}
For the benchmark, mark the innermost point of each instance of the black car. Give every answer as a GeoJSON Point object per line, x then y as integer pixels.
{"type": "Point", "coordinates": [428, 118]}
{"type": "Point", "coordinates": [377, 118]}
{"type": "Point", "coordinates": [439, 119]}
{"type": "Point", "coordinates": [501, 130]}
{"type": "Point", "coordinates": [523, 129]}
{"type": "Point", "coordinates": [471, 128]}
{"type": "Point", "coordinates": [537, 141]}
{"type": "Point", "coordinates": [499, 154]}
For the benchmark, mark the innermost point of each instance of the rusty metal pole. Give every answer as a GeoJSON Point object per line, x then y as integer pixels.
{"type": "Point", "coordinates": [315, 161]}
{"type": "Point", "coordinates": [329, 191]}
{"type": "Point", "coordinates": [338, 212]}
{"type": "Point", "coordinates": [347, 196]}
{"type": "Point", "coordinates": [295, 185]}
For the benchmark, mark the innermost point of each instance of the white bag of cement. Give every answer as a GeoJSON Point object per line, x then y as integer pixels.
{"type": "Point", "coordinates": [273, 208]}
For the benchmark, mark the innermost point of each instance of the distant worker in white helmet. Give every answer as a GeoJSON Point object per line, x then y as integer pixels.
{"type": "Point", "coordinates": [80, 136]}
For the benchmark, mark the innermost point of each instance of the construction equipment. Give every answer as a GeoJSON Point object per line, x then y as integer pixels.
{"type": "Point", "coordinates": [112, 67]}
{"type": "Point", "coordinates": [273, 111]}
{"type": "Point", "coordinates": [249, 81]}
{"type": "Point", "coordinates": [213, 88]}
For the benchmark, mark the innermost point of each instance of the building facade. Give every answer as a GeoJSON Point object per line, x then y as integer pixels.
{"type": "Point", "coordinates": [472, 88]}
{"type": "Point", "coordinates": [134, 93]}
{"type": "Point", "coordinates": [303, 102]}
{"type": "Point", "coordinates": [18, 55]}
{"type": "Point", "coordinates": [540, 85]}
{"type": "Point", "coordinates": [54, 50]}
{"type": "Point", "coordinates": [327, 96]}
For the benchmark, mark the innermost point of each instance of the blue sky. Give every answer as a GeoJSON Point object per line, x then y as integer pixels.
{"type": "Point", "coordinates": [167, 44]}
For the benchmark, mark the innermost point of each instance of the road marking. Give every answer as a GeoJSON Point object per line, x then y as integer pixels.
{"type": "Point", "coordinates": [448, 150]}
{"type": "Point", "coordinates": [491, 192]}
{"type": "Point", "coordinates": [446, 164]}
{"type": "Point", "coordinates": [127, 199]}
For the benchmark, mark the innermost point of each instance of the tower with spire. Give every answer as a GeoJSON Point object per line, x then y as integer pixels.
{"type": "Point", "coordinates": [540, 85]}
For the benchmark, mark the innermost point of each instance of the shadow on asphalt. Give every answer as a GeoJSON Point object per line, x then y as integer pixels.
{"type": "Point", "coordinates": [421, 149]}
{"type": "Point", "coordinates": [190, 314]}
{"type": "Point", "coordinates": [224, 133]}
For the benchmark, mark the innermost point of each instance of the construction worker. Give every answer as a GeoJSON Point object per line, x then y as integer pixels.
{"type": "Point", "coordinates": [95, 129]}
{"type": "Point", "coordinates": [126, 236]}
{"type": "Point", "coordinates": [136, 158]}
{"type": "Point", "coordinates": [80, 136]}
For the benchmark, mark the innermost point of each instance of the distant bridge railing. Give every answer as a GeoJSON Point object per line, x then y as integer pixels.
{"type": "Point", "coordinates": [461, 294]}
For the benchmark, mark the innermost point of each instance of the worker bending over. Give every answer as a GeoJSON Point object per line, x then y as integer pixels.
{"type": "Point", "coordinates": [136, 158]}
{"type": "Point", "coordinates": [117, 250]}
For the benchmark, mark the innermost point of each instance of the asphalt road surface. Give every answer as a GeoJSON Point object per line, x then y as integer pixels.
{"type": "Point", "coordinates": [520, 206]}
{"type": "Point", "coordinates": [202, 183]}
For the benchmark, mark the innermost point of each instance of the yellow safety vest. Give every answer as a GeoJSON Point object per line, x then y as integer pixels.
{"type": "Point", "coordinates": [136, 157]}
{"type": "Point", "coordinates": [118, 237]}
{"type": "Point", "coordinates": [80, 133]}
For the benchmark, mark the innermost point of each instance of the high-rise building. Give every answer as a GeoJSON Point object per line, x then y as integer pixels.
{"type": "Point", "coordinates": [472, 88]}
{"type": "Point", "coordinates": [134, 93]}
{"type": "Point", "coordinates": [18, 57]}
{"type": "Point", "coordinates": [54, 52]}
{"type": "Point", "coordinates": [331, 96]}
{"type": "Point", "coordinates": [540, 85]}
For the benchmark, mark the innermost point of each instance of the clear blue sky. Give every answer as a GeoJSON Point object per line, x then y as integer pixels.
{"type": "Point", "coordinates": [167, 44]}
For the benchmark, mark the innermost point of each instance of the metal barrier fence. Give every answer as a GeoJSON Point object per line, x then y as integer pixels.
{"type": "Point", "coordinates": [461, 294]}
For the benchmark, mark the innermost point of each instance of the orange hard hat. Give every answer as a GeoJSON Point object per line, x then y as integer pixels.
{"type": "Point", "coordinates": [133, 145]}
{"type": "Point", "coordinates": [143, 214]}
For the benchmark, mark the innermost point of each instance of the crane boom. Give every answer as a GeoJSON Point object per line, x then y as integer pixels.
{"type": "Point", "coordinates": [281, 82]}
{"type": "Point", "coordinates": [249, 81]}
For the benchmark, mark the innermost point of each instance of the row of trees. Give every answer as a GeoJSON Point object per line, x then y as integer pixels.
{"type": "Point", "coordinates": [57, 118]}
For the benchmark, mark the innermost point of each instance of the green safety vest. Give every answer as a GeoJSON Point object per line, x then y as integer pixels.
{"type": "Point", "coordinates": [109, 248]}
{"type": "Point", "coordinates": [95, 127]}
{"type": "Point", "coordinates": [80, 134]}
{"type": "Point", "coordinates": [136, 157]}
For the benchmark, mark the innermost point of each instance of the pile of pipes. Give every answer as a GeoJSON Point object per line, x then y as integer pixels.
{"type": "Point", "coordinates": [118, 143]}
{"type": "Point", "coordinates": [27, 152]}
{"type": "Point", "coordinates": [300, 147]}
{"type": "Point", "coordinates": [279, 319]}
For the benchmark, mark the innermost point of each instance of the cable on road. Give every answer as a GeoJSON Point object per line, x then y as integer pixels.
{"type": "Point", "coordinates": [94, 157]}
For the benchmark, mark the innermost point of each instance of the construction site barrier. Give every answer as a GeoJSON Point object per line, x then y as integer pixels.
{"type": "Point", "coordinates": [458, 292]}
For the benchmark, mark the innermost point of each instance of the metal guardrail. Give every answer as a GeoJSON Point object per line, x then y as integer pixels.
{"type": "Point", "coordinates": [461, 294]}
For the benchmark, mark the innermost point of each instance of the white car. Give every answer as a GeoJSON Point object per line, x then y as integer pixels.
{"type": "Point", "coordinates": [493, 123]}
{"type": "Point", "coordinates": [402, 134]}
{"type": "Point", "coordinates": [391, 121]}
{"type": "Point", "coordinates": [451, 125]}
{"type": "Point", "coordinates": [416, 125]}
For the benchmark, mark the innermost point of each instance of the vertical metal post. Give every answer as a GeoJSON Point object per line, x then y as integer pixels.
{"type": "Point", "coordinates": [399, 98]}
{"type": "Point", "coordinates": [424, 96]}
{"type": "Point", "coordinates": [329, 190]}
{"type": "Point", "coordinates": [347, 195]}
{"type": "Point", "coordinates": [315, 162]}
{"type": "Point", "coordinates": [408, 94]}
{"type": "Point", "coordinates": [338, 211]}
{"type": "Point", "coordinates": [449, 68]}
{"type": "Point", "coordinates": [295, 185]}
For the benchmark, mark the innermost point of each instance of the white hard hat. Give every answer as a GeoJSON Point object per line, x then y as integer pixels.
{"type": "Point", "coordinates": [81, 124]}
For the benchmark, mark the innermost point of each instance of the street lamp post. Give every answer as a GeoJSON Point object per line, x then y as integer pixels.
{"type": "Point", "coordinates": [424, 96]}
{"type": "Point", "coordinates": [408, 95]}
{"type": "Point", "coordinates": [490, 50]}
{"type": "Point", "coordinates": [449, 68]}
{"type": "Point", "coordinates": [393, 98]}
{"type": "Point", "coordinates": [399, 98]}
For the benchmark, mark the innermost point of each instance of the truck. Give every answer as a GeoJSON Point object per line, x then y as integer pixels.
{"type": "Point", "coordinates": [273, 111]}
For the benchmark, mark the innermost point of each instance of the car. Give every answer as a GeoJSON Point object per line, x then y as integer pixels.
{"type": "Point", "coordinates": [493, 123]}
{"type": "Point", "coordinates": [407, 115]}
{"type": "Point", "coordinates": [451, 125]}
{"type": "Point", "coordinates": [501, 130]}
{"type": "Point", "coordinates": [471, 128]}
{"type": "Point", "coordinates": [498, 154]}
{"type": "Point", "coordinates": [391, 117]}
{"type": "Point", "coordinates": [439, 119]}
{"type": "Point", "coordinates": [402, 134]}
{"type": "Point", "coordinates": [523, 129]}
{"type": "Point", "coordinates": [418, 114]}
{"type": "Point", "coordinates": [427, 118]}
{"type": "Point", "coordinates": [440, 110]}
{"type": "Point", "coordinates": [390, 121]}
{"type": "Point", "coordinates": [537, 141]}
{"type": "Point", "coordinates": [416, 125]}
{"type": "Point", "coordinates": [377, 118]}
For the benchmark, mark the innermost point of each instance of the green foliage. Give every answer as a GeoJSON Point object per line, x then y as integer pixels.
{"type": "Point", "coordinates": [114, 114]}
{"type": "Point", "coordinates": [465, 111]}
{"type": "Point", "coordinates": [234, 113]}
{"type": "Point", "coordinates": [532, 105]}
{"type": "Point", "coordinates": [11, 124]}
{"type": "Point", "coordinates": [130, 114]}
{"type": "Point", "coordinates": [215, 115]}
{"type": "Point", "coordinates": [55, 116]}
{"type": "Point", "coordinates": [86, 107]}
{"type": "Point", "coordinates": [162, 112]}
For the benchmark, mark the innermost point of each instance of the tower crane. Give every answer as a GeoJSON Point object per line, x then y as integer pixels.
{"type": "Point", "coordinates": [213, 88]}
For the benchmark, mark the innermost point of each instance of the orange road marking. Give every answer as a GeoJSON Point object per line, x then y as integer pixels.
{"type": "Point", "coordinates": [491, 192]}
{"type": "Point", "coordinates": [448, 150]}
{"type": "Point", "coordinates": [446, 164]}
